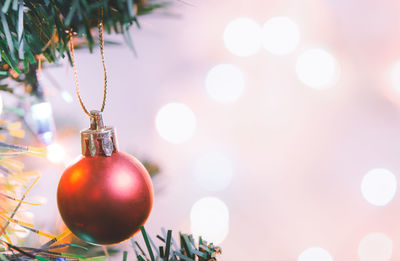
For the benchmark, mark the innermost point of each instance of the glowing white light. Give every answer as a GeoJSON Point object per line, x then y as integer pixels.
{"type": "Point", "coordinates": [26, 216]}
{"type": "Point", "coordinates": [209, 218]}
{"type": "Point", "coordinates": [315, 254]}
{"type": "Point", "coordinates": [280, 35]}
{"type": "Point", "coordinates": [66, 96]}
{"type": "Point", "coordinates": [46, 137]}
{"type": "Point", "coordinates": [55, 153]}
{"type": "Point", "coordinates": [213, 170]}
{"type": "Point", "coordinates": [375, 247]}
{"type": "Point", "coordinates": [225, 83]}
{"type": "Point", "coordinates": [317, 68]}
{"type": "Point", "coordinates": [1, 104]}
{"type": "Point", "coordinates": [395, 76]}
{"type": "Point", "coordinates": [41, 111]}
{"type": "Point", "coordinates": [21, 232]}
{"type": "Point", "coordinates": [175, 122]}
{"type": "Point", "coordinates": [40, 199]}
{"type": "Point", "coordinates": [43, 123]}
{"type": "Point", "coordinates": [379, 186]}
{"type": "Point", "coordinates": [242, 36]}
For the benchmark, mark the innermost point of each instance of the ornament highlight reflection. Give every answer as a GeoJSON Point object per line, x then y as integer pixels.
{"type": "Point", "coordinates": [379, 186]}
{"type": "Point", "coordinates": [317, 68]}
{"type": "Point", "coordinates": [315, 254]}
{"type": "Point", "coordinates": [375, 247]}
{"type": "Point", "coordinates": [209, 218]}
{"type": "Point", "coordinates": [213, 170]}
{"type": "Point", "coordinates": [175, 122]}
{"type": "Point", "coordinates": [123, 183]}
{"type": "Point", "coordinates": [280, 35]}
{"type": "Point", "coordinates": [242, 36]}
{"type": "Point", "coordinates": [225, 83]}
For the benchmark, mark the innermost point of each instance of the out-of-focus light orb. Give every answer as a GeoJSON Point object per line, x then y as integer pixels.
{"type": "Point", "coordinates": [225, 83]}
{"type": "Point", "coordinates": [242, 36]}
{"type": "Point", "coordinates": [209, 218]}
{"type": "Point", "coordinates": [21, 232]}
{"type": "Point", "coordinates": [43, 123]}
{"type": "Point", "coordinates": [27, 217]}
{"type": "Point", "coordinates": [315, 254]}
{"type": "Point", "coordinates": [46, 137]}
{"type": "Point", "coordinates": [175, 122]}
{"type": "Point", "coordinates": [40, 199]}
{"type": "Point", "coordinates": [375, 247]}
{"type": "Point", "coordinates": [1, 104]}
{"type": "Point", "coordinates": [317, 68]}
{"type": "Point", "coordinates": [213, 170]}
{"type": "Point", "coordinates": [395, 76]}
{"type": "Point", "coordinates": [379, 186]}
{"type": "Point", "coordinates": [41, 111]}
{"type": "Point", "coordinates": [280, 35]}
{"type": "Point", "coordinates": [55, 153]}
{"type": "Point", "coordinates": [66, 96]}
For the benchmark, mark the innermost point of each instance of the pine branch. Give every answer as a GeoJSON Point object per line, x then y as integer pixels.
{"type": "Point", "coordinates": [170, 251]}
{"type": "Point", "coordinates": [31, 28]}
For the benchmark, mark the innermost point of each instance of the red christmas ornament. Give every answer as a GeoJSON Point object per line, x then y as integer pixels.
{"type": "Point", "coordinates": [107, 195]}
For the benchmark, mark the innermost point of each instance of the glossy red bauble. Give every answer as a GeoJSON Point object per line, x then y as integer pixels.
{"type": "Point", "coordinates": [105, 200]}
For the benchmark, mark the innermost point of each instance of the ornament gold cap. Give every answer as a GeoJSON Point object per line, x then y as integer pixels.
{"type": "Point", "coordinates": [98, 140]}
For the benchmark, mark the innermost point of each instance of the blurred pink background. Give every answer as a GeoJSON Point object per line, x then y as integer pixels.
{"type": "Point", "coordinates": [284, 155]}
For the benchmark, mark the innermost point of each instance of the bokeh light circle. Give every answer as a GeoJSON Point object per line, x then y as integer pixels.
{"type": "Point", "coordinates": [209, 218]}
{"type": "Point", "coordinates": [317, 68]}
{"type": "Point", "coordinates": [395, 76]}
{"type": "Point", "coordinates": [242, 36]}
{"type": "Point", "coordinates": [315, 254]}
{"type": "Point", "coordinates": [225, 83]}
{"type": "Point", "coordinates": [55, 153]}
{"type": "Point", "coordinates": [175, 122]}
{"type": "Point", "coordinates": [213, 170]}
{"type": "Point", "coordinates": [27, 217]}
{"type": "Point", "coordinates": [280, 35]}
{"type": "Point", "coordinates": [1, 104]}
{"type": "Point", "coordinates": [379, 186]}
{"type": "Point", "coordinates": [375, 247]}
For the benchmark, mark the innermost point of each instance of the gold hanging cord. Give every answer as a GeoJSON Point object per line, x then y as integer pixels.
{"type": "Point", "coordinates": [101, 44]}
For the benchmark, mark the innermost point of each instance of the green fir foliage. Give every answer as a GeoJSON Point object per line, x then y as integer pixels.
{"type": "Point", "coordinates": [29, 28]}
{"type": "Point", "coordinates": [167, 251]}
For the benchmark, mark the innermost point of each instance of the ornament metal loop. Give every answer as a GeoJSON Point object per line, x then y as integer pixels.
{"type": "Point", "coordinates": [98, 140]}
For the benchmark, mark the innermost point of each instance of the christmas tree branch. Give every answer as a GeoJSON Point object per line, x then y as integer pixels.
{"type": "Point", "coordinates": [31, 28]}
